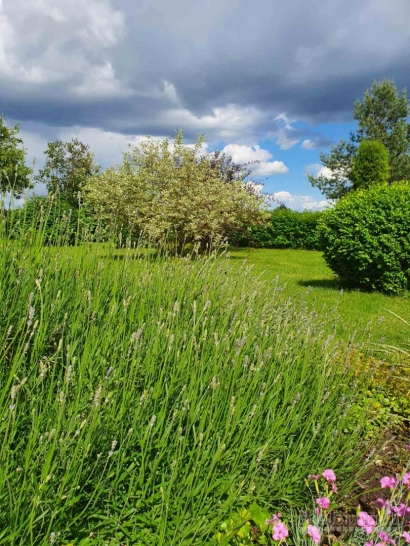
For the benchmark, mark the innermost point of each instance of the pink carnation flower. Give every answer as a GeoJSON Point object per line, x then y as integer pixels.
{"type": "Point", "coordinates": [323, 502]}
{"type": "Point", "coordinates": [329, 475]}
{"type": "Point", "coordinates": [314, 533]}
{"type": "Point", "coordinates": [367, 522]}
{"type": "Point", "coordinates": [274, 518]}
{"type": "Point", "coordinates": [385, 538]}
{"type": "Point", "coordinates": [280, 531]}
{"type": "Point", "coordinates": [381, 503]}
{"type": "Point", "coordinates": [389, 482]}
{"type": "Point", "coordinates": [406, 536]}
{"type": "Point", "coordinates": [314, 476]}
{"type": "Point", "coordinates": [399, 510]}
{"type": "Point", "coordinates": [406, 479]}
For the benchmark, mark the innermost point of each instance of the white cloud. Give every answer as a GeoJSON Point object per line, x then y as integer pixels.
{"type": "Point", "coordinates": [285, 142]}
{"type": "Point", "coordinates": [284, 136]}
{"type": "Point", "coordinates": [308, 144]}
{"type": "Point", "coordinates": [269, 168]}
{"type": "Point", "coordinates": [316, 169]}
{"type": "Point", "coordinates": [45, 43]}
{"type": "Point", "coordinates": [301, 202]}
{"type": "Point", "coordinates": [101, 82]}
{"type": "Point", "coordinates": [243, 154]}
{"type": "Point", "coordinates": [230, 122]}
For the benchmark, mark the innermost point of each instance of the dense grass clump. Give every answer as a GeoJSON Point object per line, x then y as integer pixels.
{"type": "Point", "coordinates": [144, 400]}
{"type": "Point", "coordinates": [53, 218]}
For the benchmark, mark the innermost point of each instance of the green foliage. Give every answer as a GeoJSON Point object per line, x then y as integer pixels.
{"type": "Point", "coordinates": [175, 196]}
{"type": "Point", "coordinates": [67, 167]}
{"type": "Point", "coordinates": [55, 220]}
{"type": "Point", "coordinates": [339, 161]}
{"type": "Point", "coordinates": [144, 401]}
{"type": "Point", "coordinates": [365, 238]}
{"type": "Point", "coordinates": [283, 228]}
{"type": "Point", "coordinates": [371, 165]}
{"type": "Point", "coordinates": [246, 527]}
{"type": "Point", "coordinates": [14, 174]}
{"type": "Point", "coordinates": [381, 116]}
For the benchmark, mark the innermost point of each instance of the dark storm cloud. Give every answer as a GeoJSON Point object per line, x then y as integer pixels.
{"type": "Point", "coordinates": [228, 68]}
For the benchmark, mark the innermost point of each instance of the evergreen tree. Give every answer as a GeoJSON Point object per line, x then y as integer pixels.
{"type": "Point", "coordinates": [371, 165]}
{"type": "Point", "coordinates": [381, 116]}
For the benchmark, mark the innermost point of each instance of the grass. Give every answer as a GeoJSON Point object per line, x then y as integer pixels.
{"type": "Point", "coordinates": [144, 400]}
{"type": "Point", "coordinates": [302, 271]}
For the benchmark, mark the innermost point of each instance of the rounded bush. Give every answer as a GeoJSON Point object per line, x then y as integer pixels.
{"type": "Point", "coordinates": [366, 238]}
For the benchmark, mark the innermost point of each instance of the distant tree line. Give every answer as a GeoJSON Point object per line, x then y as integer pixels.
{"type": "Point", "coordinates": [165, 191]}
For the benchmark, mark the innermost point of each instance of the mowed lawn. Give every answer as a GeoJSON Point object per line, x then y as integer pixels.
{"type": "Point", "coordinates": [305, 272]}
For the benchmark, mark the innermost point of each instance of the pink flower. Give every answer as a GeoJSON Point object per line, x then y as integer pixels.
{"type": "Point", "coordinates": [366, 521]}
{"type": "Point", "coordinates": [385, 538]}
{"type": "Point", "coordinates": [370, 543]}
{"type": "Point", "coordinates": [388, 482]}
{"type": "Point", "coordinates": [329, 475]}
{"type": "Point", "coordinates": [314, 476]}
{"type": "Point", "coordinates": [280, 531]}
{"type": "Point", "coordinates": [406, 536]}
{"type": "Point", "coordinates": [323, 502]}
{"type": "Point", "coordinates": [381, 503]}
{"type": "Point", "coordinates": [275, 518]}
{"type": "Point", "coordinates": [406, 479]}
{"type": "Point", "coordinates": [407, 447]}
{"type": "Point", "coordinates": [314, 533]}
{"type": "Point", "coordinates": [334, 488]}
{"type": "Point", "coordinates": [399, 510]}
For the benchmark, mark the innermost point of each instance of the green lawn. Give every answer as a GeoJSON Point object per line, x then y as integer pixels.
{"type": "Point", "coordinates": [300, 269]}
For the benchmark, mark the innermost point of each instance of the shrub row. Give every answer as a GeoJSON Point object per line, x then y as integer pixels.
{"type": "Point", "coordinates": [284, 229]}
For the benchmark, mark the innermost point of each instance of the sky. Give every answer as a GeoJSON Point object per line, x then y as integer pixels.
{"type": "Point", "coordinates": [266, 80]}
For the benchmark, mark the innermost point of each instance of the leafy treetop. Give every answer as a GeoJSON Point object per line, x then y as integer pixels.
{"type": "Point", "coordinates": [15, 176]}
{"type": "Point", "coordinates": [381, 116]}
{"type": "Point", "coordinates": [68, 166]}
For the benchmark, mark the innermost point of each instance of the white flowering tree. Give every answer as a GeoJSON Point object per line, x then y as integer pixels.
{"type": "Point", "coordinates": [171, 194]}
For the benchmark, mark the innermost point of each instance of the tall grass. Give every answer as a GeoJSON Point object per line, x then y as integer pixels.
{"type": "Point", "coordinates": [143, 400]}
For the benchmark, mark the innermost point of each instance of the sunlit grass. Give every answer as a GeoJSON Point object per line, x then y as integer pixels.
{"type": "Point", "coordinates": [143, 399]}
{"type": "Point", "coordinates": [305, 271]}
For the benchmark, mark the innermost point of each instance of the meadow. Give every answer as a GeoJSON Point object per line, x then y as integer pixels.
{"type": "Point", "coordinates": [148, 399]}
{"type": "Point", "coordinates": [144, 399]}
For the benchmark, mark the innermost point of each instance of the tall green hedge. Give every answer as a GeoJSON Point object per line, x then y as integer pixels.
{"type": "Point", "coordinates": [284, 229]}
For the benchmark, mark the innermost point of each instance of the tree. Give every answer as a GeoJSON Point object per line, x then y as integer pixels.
{"type": "Point", "coordinates": [381, 116]}
{"type": "Point", "coordinates": [173, 195]}
{"type": "Point", "coordinates": [14, 174]}
{"type": "Point", "coordinates": [68, 166]}
{"type": "Point", "coordinates": [371, 165]}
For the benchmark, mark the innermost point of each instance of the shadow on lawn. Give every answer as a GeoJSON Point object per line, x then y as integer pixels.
{"type": "Point", "coordinates": [321, 283]}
